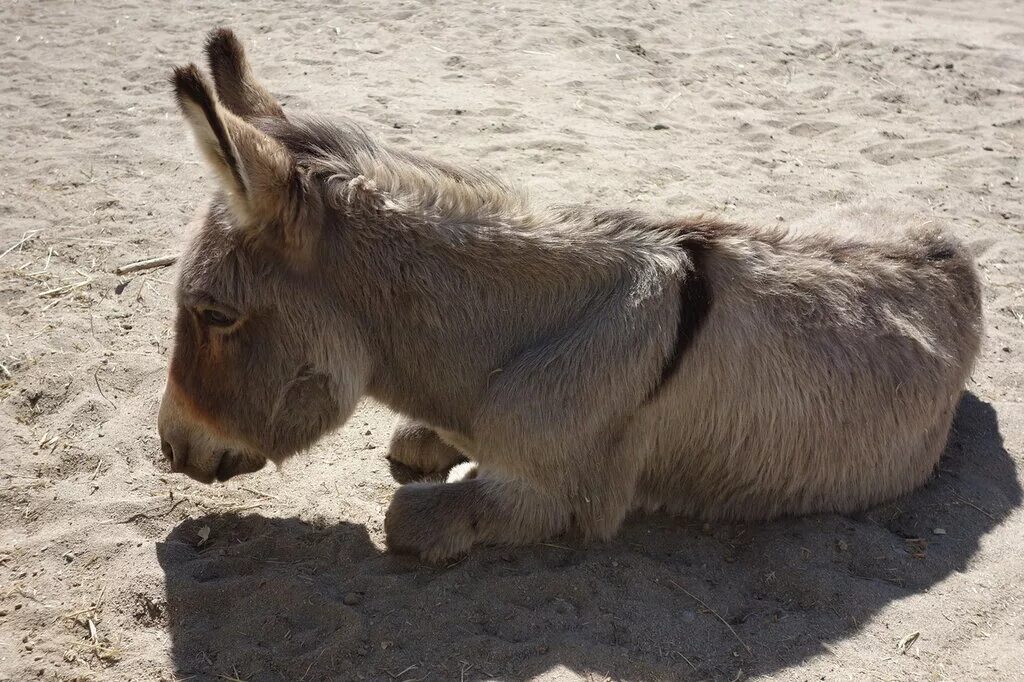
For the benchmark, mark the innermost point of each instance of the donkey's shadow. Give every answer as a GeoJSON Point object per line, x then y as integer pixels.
{"type": "Point", "coordinates": [274, 598]}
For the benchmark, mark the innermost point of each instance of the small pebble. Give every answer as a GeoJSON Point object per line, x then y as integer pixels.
{"type": "Point", "coordinates": [352, 598]}
{"type": "Point", "coordinates": [939, 531]}
{"type": "Point", "coordinates": [660, 126]}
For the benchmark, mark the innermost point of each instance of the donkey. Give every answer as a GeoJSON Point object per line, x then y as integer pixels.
{"type": "Point", "coordinates": [568, 365]}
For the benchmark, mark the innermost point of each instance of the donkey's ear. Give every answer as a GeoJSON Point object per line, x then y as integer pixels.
{"type": "Point", "coordinates": [236, 85]}
{"type": "Point", "coordinates": [208, 122]}
{"type": "Point", "coordinates": [256, 170]}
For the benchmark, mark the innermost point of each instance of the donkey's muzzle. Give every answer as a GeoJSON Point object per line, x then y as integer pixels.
{"type": "Point", "coordinates": [196, 449]}
{"type": "Point", "coordinates": [177, 453]}
{"type": "Point", "coordinates": [228, 464]}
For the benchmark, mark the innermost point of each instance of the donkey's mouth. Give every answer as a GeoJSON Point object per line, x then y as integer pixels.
{"type": "Point", "coordinates": [236, 463]}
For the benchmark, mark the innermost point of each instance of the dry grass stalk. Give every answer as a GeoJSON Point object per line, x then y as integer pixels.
{"type": "Point", "coordinates": [146, 264]}
{"type": "Point", "coordinates": [713, 612]}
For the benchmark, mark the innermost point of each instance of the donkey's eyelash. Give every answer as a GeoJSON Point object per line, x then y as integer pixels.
{"type": "Point", "coordinates": [216, 318]}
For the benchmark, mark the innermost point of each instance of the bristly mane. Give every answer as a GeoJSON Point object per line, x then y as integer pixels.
{"type": "Point", "coordinates": [337, 152]}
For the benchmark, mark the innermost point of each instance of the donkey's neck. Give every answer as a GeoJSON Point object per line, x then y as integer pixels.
{"type": "Point", "coordinates": [445, 304]}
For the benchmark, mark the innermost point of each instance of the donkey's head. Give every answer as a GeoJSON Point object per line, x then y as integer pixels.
{"type": "Point", "coordinates": [264, 361]}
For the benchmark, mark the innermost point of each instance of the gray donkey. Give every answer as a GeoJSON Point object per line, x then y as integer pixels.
{"type": "Point", "coordinates": [586, 363]}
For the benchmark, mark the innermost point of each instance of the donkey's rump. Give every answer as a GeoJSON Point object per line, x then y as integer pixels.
{"type": "Point", "coordinates": [826, 376]}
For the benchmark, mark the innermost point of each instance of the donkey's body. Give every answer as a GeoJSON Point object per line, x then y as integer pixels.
{"type": "Point", "coordinates": [588, 363]}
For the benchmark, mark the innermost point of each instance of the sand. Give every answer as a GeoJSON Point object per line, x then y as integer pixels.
{"type": "Point", "coordinates": [113, 569]}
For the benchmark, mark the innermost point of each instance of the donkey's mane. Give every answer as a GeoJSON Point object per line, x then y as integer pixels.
{"type": "Point", "coordinates": [338, 151]}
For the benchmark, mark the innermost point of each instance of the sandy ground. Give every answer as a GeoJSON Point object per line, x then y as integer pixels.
{"type": "Point", "coordinates": [112, 569]}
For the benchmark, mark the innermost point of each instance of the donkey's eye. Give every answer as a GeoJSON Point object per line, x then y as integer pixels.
{"type": "Point", "coordinates": [216, 318]}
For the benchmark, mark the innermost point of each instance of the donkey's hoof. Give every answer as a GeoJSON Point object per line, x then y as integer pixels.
{"type": "Point", "coordinates": [420, 522]}
{"type": "Point", "coordinates": [403, 473]}
{"type": "Point", "coordinates": [417, 453]}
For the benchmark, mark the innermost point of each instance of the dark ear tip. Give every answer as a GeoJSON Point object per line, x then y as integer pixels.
{"type": "Point", "coordinates": [222, 33]}
{"type": "Point", "coordinates": [189, 83]}
{"type": "Point", "coordinates": [184, 77]}
{"type": "Point", "coordinates": [223, 43]}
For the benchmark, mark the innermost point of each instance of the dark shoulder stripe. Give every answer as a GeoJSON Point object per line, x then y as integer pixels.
{"type": "Point", "coordinates": [695, 301]}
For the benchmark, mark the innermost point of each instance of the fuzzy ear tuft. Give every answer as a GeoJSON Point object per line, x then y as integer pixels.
{"type": "Point", "coordinates": [236, 84]}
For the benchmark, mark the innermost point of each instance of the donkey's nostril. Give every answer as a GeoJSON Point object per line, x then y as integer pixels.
{"type": "Point", "coordinates": [167, 450]}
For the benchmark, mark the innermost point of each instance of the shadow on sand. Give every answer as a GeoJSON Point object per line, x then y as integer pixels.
{"type": "Point", "coordinates": [278, 599]}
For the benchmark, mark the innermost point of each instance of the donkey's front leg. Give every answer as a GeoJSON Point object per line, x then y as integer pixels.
{"type": "Point", "coordinates": [439, 521]}
{"type": "Point", "coordinates": [417, 452]}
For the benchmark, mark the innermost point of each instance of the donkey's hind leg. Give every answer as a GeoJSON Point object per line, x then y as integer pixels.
{"type": "Point", "coordinates": [417, 452]}
{"type": "Point", "coordinates": [439, 521]}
